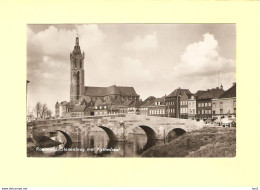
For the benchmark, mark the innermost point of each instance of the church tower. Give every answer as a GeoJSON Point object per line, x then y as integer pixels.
{"type": "Point", "coordinates": [76, 72]}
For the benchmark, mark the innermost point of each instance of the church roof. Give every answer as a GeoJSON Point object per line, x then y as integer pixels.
{"type": "Point", "coordinates": [111, 90]}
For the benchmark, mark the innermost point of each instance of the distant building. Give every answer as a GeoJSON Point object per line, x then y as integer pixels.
{"type": "Point", "coordinates": [101, 109]}
{"type": "Point", "coordinates": [144, 106]}
{"type": "Point", "coordinates": [133, 108]}
{"type": "Point", "coordinates": [177, 103]}
{"type": "Point", "coordinates": [78, 111]}
{"type": "Point", "coordinates": [192, 107]}
{"type": "Point", "coordinates": [204, 102]}
{"type": "Point", "coordinates": [225, 105]}
{"type": "Point", "coordinates": [157, 107]}
{"type": "Point", "coordinates": [123, 107]}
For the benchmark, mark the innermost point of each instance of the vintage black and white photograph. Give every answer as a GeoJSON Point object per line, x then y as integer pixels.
{"type": "Point", "coordinates": [131, 90]}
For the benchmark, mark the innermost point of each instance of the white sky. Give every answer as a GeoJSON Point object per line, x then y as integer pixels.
{"type": "Point", "coordinates": [153, 58]}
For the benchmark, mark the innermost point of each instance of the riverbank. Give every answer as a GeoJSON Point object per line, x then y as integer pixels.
{"type": "Point", "coordinates": [206, 142]}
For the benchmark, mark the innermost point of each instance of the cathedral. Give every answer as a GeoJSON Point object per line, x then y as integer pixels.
{"type": "Point", "coordinates": [91, 100]}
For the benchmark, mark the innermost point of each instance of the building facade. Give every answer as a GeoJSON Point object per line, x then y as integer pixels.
{"type": "Point", "coordinates": [225, 105]}
{"type": "Point", "coordinates": [157, 107]}
{"type": "Point", "coordinates": [191, 107]}
{"type": "Point", "coordinates": [144, 106]}
{"type": "Point", "coordinates": [204, 102]}
{"type": "Point", "coordinates": [177, 103]}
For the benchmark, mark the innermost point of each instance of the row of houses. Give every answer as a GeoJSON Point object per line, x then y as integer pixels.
{"type": "Point", "coordinates": [181, 103]}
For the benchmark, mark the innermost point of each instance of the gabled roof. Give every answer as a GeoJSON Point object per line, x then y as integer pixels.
{"type": "Point", "coordinates": [127, 103]}
{"type": "Point", "coordinates": [79, 108]}
{"type": "Point", "coordinates": [209, 94]}
{"type": "Point", "coordinates": [114, 107]}
{"type": "Point", "coordinates": [85, 98]}
{"type": "Point", "coordinates": [231, 92]}
{"type": "Point", "coordinates": [135, 104]}
{"type": "Point", "coordinates": [148, 101]}
{"type": "Point", "coordinates": [161, 100]}
{"type": "Point", "coordinates": [64, 103]}
{"type": "Point", "coordinates": [180, 91]}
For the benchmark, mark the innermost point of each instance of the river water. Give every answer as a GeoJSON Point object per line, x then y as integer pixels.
{"type": "Point", "coordinates": [97, 144]}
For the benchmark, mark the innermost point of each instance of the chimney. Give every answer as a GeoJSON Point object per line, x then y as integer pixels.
{"type": "Point", "coordinates": [221, 87]}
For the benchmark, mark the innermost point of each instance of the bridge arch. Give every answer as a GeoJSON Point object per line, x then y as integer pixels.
{"type": "Point", "coordinates": [150, 133]}
{"type": "Point", "coordinates": [109, 132]}
{"type": "Point", "coordinates": [176, 131]}
{"type": "Point", "coordinates": [68, 139]}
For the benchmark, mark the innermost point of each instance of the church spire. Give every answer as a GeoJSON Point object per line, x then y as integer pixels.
{"type": "Point", "coordinates": [77, 41]}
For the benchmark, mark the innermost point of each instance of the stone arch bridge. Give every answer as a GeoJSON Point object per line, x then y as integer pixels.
{"type": "Point", "coordinates": [117, 127]}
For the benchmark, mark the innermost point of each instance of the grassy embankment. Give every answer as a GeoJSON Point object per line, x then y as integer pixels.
{"type": "Point", "coordinates": [206, 142]}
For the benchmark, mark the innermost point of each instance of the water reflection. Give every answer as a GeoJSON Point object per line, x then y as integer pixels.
{"type": "Point", "coordinates": [97, 144]}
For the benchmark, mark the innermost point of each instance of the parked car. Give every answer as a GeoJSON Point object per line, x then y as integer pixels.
{"type": "Point", "coordinates": [226, 122]}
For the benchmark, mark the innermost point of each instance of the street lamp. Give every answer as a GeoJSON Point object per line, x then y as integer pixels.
{"type": "Point", "coordinates": [27, 82]}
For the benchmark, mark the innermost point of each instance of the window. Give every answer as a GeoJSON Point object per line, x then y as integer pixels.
{"type": "Point", "coordinates": [202, 111]}
{"type": "Point", "coordinates": [206, 104]}
{"type": "Point", "coordinates": [209, 104]}
{"type": "Point", "coordinates": [213, 105]}
{"type": "Point", "coordinates": [199, 112]}
{"type": "Point", "coordinates": [221, 105]}
{"type": "Point", "coordinates": [214, 112]}
{"type": "Point", "coordinates": [199, 104]}
{"type": "Point", "coordinates": [100, 107]}
{"type": "Point", "coordinates": [221, 111]}
{"type": "Point", "coordinates": [105, 107]}
{"type": "Point", "coordinates": [202, 104]}
{"type": "Point", "coordinates": [209, 111]}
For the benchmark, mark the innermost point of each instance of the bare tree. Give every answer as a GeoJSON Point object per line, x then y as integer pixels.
{"type": "Point", "coordinates": [37, 110]}
{"type": "Point", "coordinates": [43, 111]}
{"type": "Point", "coordinates": [48, 113]}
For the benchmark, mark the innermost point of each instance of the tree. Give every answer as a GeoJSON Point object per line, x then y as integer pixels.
{"type": "Point", "coordinates": [48, 113]}
{"type": "Point", "coordinates": [41, 111]}
{"type": "Point", "coordinates": [37, 110]}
